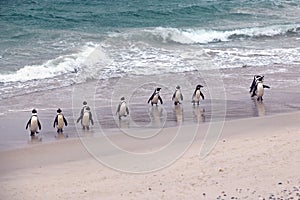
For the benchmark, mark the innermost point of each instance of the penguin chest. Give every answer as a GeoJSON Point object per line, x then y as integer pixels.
{"type": "Point", "coordinates": [197, 96]}
{"type": "Point", "coordinates": [34, 124]}
{"type": "Point", "coordinates": [260, 90]}
{"type": "Point", "coordinates": [60, 122]}
{"type": "Point", "coordinates": [177, 96]}
{"type": "Point", "coordinates": [123, 111]}
{"type": "Point", "coordinates": [86, 119]}
{"type": "Point", "coordinates": [155, 99]}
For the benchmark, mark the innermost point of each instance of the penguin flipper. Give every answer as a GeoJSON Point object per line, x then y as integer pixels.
{"type": "Point", "coordinates": [39, 124]}
{"type": "Point", "coordinates": [266, 86]}
{"type": "Point", "coordinates": [151, 97]}
{"type": "Point", "coordinates": [160, 99]}
{"type": "Point", "coordinates": [118, 109]}
{"type": "Point", "coordinates": [29, 121]}
{"type": "Point", "coordinates": [55, 121]}
{"type": "Point", "coordinates": [173, 97]}
{"type": "Point", "coordinates": [202, 95]}
{"type": "Point", "coordinates": [65, 121]}
{"type": "Point", "coordinates": [127, 110]}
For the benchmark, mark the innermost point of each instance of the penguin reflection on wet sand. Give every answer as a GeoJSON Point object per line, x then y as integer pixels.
{"type": "Point", "coordinates": [155, 97]}
{"type": "Point", "coordinates": [60, 121]}
{"type": "Point", "coordinates": [197, 95]}
{"type": "Point", "coordinates": [85, 118]}
{"type": "Point", "coordinates": [33, 123]}
{"type": "Point", "coordinates": [177, 96]}
{"type": "Point", "coordinates": [257, 87]}
{"type": "Point", "coordinates": [122, 110]}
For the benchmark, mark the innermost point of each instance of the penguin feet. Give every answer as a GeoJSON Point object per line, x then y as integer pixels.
{"type": "Point", "coordinates": [32, 133]}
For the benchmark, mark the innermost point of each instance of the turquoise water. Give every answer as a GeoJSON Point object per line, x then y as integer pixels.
{"type": "Point", "coordinates": [61, 42]}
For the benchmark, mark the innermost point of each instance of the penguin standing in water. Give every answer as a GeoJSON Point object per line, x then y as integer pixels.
{"type": "Point", "coordinates": [82, 109]}
{"type": "Point", "coordinates": [34, 123]}
{"type": "Point", "coordinates": [155, 97]}
{"type": "Point", "coordinates": [254, 83]}
{"type": "Point", "coordinates": [259, 88]}
{"type": "Point", "coordinates": [86, 118]}
{"type": "Point", "coordinates": [177, 96]}
{"type": "Point", "coordinates": [60, 121]}
{"type": "Point", "coordinates": [122, 109]}
{"type": "Point", "coordinates": [197, 94]}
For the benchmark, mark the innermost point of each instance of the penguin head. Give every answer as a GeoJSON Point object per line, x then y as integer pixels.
{"type": "Point", "coordinates": [198, 87]}
{"type": "Point", "coordinates": [84, 103]}
{"type": "Point", "coordinates": [260, 78]}
{"type": "Point", "coordinates": [158, 89]}
{"type": "Point", "coordinates": [88, 108]}
{"type": "Point", "coordinates": [34, 111]}
{"type": "Point", "coordinates": [177, 87]}
{"type": "Point", "coordinates": [59, 110]}
{"type": "Point", "coordinates": [122, 99]}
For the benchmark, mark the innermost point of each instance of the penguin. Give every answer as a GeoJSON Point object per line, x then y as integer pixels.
{"type": "Point", "coordinates": [85, 119]}
{"type": "Point", "coordinates": [197, 94]}
{"type": "Point", "coordinates": [33, 123]}
{"type": "Point", "coordinates": [155, 97]}
{"type": "Point", "coordinates": [254, 83]}
{"type": "Point", "coordinates": [60, 121]}
{"type": "Point", "coordinates": [122, 109]}
{"type": "Point", "coordinates": [259, 90]}
{"type": "Point", "coordinates": [177, 96]}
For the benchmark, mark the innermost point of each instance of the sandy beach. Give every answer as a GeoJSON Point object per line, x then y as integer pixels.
{"type": "Point", "coordinates": [256, 158]}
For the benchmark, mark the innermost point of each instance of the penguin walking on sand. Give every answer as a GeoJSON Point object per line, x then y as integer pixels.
{"type": "Point", "coordinates": [177, 96]}
{"type": "Point", "coordinates": [155, 97]}
{"type": "Point", "coordinates": [33, 123]}
{"type": "Point", "coordinates": [86, 118]}
{"type": "Point", "coordinates": [122, 109]}
{"type": "Point", "coordinates": [259, 88]}
{"type": "Point", "coordinates": [60, 121]}
{"type": "Point", "coordinates": [197, 95]}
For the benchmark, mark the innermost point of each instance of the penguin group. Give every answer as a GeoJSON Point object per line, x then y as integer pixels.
{"type": "Point", "coordinates": [256, 89]}
{"type": "Point", "coordinates": [60, 121]}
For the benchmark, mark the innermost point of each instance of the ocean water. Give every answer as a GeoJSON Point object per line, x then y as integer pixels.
{"type": "Point", "coordinates": [54, 44]}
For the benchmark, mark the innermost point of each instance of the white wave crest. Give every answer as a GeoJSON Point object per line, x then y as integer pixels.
{"type": "Point", "coordinates": [203, 36]}
{"type": "Point", "coordinates": [52, 68]}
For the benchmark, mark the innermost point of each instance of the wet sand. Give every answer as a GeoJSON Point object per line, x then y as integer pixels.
{"type": "Point", "coordinates": [254, 158]}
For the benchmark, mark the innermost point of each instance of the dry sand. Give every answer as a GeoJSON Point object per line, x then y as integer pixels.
{"type": "Point", "coordinates": [254, 158]}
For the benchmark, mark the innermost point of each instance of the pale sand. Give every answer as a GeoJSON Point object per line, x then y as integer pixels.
{"type": "Point", "coordinates": [253, 158]}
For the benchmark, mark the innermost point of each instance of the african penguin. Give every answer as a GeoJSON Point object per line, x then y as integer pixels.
{"type": "Point", "coordinates": [259, 91]}
{"type": "Point", "coordinates": [33, 123]}
{"type": "Point", "coordinates": [122, 109]}
{"type": "Point", "coordinates": [86, 118]}
{"type": "Point", "coordinates": [177, 96]}
{"type": "Point", "coordinates": [197, 94]}
{"type": "Point", "coordinates": [60, 121]}
{"type": "Point", "coordinates": [155, 97]}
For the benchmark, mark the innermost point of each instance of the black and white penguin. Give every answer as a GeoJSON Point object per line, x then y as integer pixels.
{"type": "Point", "coordinates": [254, 83]}
{"type": "Point", "coordinates": [122, 110]}
{"type": "Point", "coordinates": [34, 123]}
{"type": "Point", "coordinates": [177, 96]}
{"type": "Point", "coordinates": [155, 97]}
{"type": "Point", "coordinates": [60, 121]}
{"type": "Point", "coordinates": [259, 88]}
{"type": "Point", "coordinates": [197, 94]}
{"type": "Point", "coordinates": [86, 118]}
